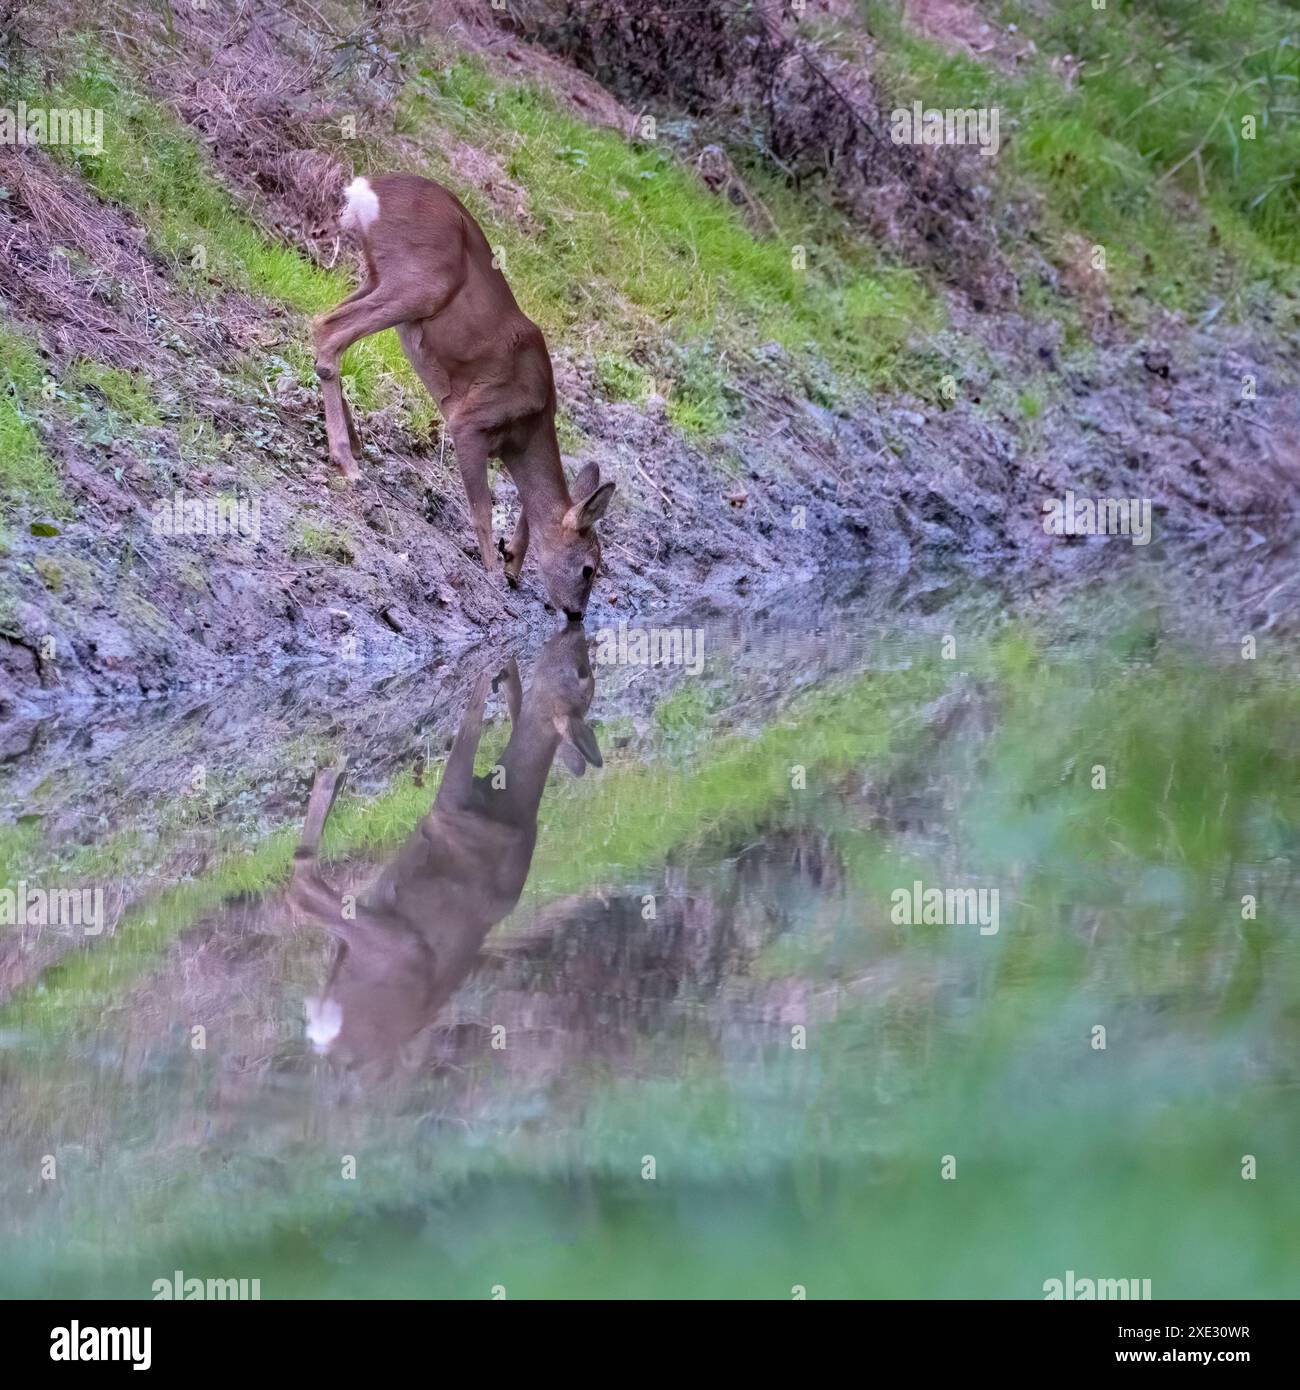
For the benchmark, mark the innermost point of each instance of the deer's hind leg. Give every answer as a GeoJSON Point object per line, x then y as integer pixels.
{"type": "Point", "coordinates": [370, 311]}
{"type": "Point", "coordinates": [309, 890]}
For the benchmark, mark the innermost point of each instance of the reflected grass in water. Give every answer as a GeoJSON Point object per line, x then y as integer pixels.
{"type": "Point", "coordinates": [1122, 907]}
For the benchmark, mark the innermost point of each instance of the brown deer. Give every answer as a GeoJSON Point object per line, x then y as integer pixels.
{"type": "Point", "coordinates": [408, 941]}
{"type": "Point", "coordinates": [431, 274]}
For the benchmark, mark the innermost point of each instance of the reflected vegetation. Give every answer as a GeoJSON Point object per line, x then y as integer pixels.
{"type": "Point", "coordinates": [688, 956]}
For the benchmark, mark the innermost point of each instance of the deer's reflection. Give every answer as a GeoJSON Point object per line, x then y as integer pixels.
{"type": "Point", "coordinates": [409, 940]}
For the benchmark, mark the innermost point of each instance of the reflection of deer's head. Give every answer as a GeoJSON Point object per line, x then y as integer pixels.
{"type": "Point", "coordinates": [561, 691]}
{"type": "Point", "coordinates": [408, 941]}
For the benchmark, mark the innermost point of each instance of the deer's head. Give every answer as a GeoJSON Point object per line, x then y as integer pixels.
{"type": "Point", "coordinates": [569, 551]}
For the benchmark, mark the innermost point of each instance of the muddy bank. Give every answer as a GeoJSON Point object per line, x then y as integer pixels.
{"type": "Point", "coordinates": [276, 725]}
{"type": "Point", "coordinates": [883, 486]}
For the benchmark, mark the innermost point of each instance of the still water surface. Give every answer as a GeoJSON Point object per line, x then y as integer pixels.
{"type": "Point", "coordinates": [708, 1053]}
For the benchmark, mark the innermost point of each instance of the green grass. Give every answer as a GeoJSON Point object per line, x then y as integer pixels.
{"type": "Point", "coordinates": [1144, 155]}
{"type": "Point", "coordinates": [154, 167]}
{"type": "Point", "coordinates": [1167, 81]}
{"type": "Point", "coordinates": [324, 542]}
{"type": "Point", "coordinates": [621, 380]}
{"type": "Point", "coordinates": [20, 843]}
{"type": "Point", "coordinates": [688, 711]}
{"type": "Point", "coordinates": [128, 394]}
{"type": "Point", "coordinates": [630, 248]}
{"type": "Point", "coordinates": [27, 474]}
{"type": "Point", "coordinates": [698, 395]}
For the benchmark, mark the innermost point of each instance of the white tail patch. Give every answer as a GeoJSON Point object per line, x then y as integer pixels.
{"type": "Point", "coordinates": [360, 206]}
{"type": "Point", "coordinates": [324, 1022]}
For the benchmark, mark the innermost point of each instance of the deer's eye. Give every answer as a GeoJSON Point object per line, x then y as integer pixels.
{"type": "Point", "coordinates": [587, 571]}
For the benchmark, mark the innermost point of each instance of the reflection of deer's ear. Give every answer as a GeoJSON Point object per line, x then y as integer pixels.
{"type": "Point", "coordinates": [588, 509]}
{"type": "Point", "coordinates": [585, 742]}
{"type": "Point", "coordinates": [572, 759]}
{"type": "Point", "coordinates": [577, 739]}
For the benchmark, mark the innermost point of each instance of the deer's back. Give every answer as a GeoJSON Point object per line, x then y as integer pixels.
{"type": "Point", "coordinates": [491, 356]}
{"type": "Point", "coordinates": [458, 874]}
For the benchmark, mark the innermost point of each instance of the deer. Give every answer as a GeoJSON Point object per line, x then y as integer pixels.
{"type": "Point", "coordinates": [409, 940]}
{"type": "Point", "coordinates": [431, 275]}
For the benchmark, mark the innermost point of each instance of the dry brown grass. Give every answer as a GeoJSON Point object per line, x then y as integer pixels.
{"type": "Point", "coordinates": [79, 269]}
{"type": "Point", "coordinates": [275, 94]}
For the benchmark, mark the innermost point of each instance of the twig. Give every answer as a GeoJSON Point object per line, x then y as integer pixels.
{"type": "Point", "coordinates": [654, 484]}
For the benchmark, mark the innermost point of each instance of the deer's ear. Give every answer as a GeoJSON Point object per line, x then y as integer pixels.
{"type": "Point", "coordinates": [578, 745]}
{"type": "Point", "coordinates": [589, 508]}
{"type": "Point", "coordinates": [587, 481]}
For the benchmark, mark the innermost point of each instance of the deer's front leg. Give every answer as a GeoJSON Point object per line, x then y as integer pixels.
{"type": "Point", "coordinates": [458, 776]}
{"type": "Point", "coordinates": [514, 553]}
{"type": "Point", "coordinates": [472, 452]}
{"type": "Point", "coordinates": [508, 680]}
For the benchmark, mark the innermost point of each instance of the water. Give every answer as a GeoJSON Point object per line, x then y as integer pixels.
{"type": "Point", "coordinates": [707, 1054]}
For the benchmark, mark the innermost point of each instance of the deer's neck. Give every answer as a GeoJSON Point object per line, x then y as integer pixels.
{"type": "Point", "coordinates": [527, 760]}
{"type": "Point", "coordinates": [538, 474]}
